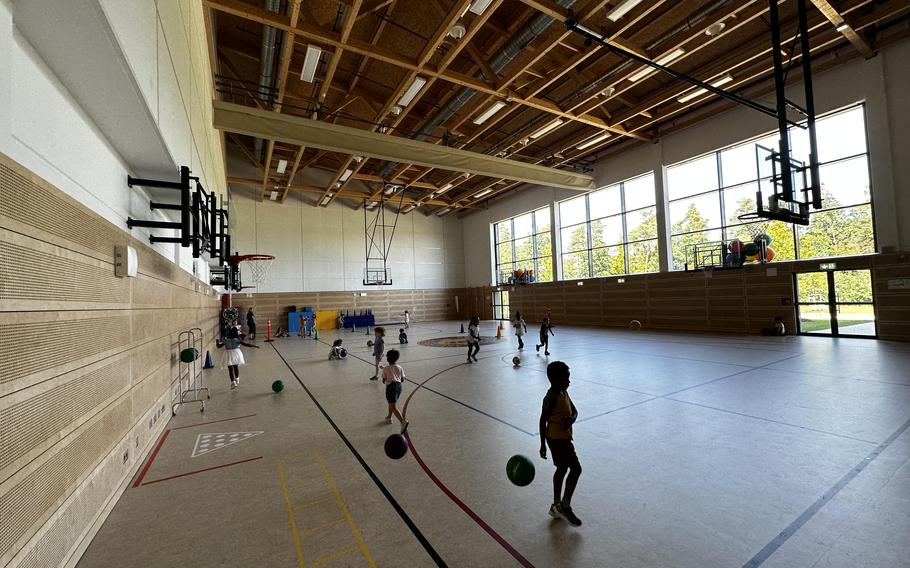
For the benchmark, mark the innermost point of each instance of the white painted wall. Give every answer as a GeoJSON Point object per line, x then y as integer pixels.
{"type": "Point", "coordinates": [322, 248]}
{"type": "Point", "coordinates": [883, 83]}
{"type": "Point", "coordinates": [88, 152]}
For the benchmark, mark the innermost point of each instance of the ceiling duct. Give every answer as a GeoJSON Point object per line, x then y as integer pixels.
{"type": "Point", "coordinates": [266, 67]}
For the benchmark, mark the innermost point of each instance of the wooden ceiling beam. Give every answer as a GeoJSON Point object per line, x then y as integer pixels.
{"type": "Point", "coordinates": [840, 23]}
{"type": "Point", "coordinates": [350, 16]}
{"type": "Point", "coordinates": [357, 46]}
{"type": "Point", "coordinates": [373, 7]}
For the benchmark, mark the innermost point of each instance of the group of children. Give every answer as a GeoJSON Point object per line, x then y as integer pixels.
{"type": "Point", "coordinates": [557, 416]}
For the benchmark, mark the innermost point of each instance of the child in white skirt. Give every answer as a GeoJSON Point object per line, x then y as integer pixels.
{"type": "Point", "coordinates": [232, 357]}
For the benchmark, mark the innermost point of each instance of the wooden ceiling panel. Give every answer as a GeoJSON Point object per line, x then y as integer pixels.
{"type": "Point", "coordinates": [555, 75]}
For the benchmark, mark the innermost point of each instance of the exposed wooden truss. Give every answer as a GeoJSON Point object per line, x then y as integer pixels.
{"type": "Point", "coordinates": [379, 47]}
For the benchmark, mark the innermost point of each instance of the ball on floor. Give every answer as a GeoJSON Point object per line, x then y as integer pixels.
{"type": "Point", "coordinates": [396, 446]}
{"type": "Point", "coordinates": [370, 343]}
{"type": "Point", "coordinates": [635, 325]}
{"type": "Point", "coordinates": [277, 386]}
{"type": "Point", "coordinates": [516, 360]}
{"type": "Point", "coordinates": [520, 470]}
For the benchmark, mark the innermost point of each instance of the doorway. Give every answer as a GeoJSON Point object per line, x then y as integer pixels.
{"type": "Point", "coordinates": [501, 305]}
{"type": "Point", "coordinates": [835, 303]}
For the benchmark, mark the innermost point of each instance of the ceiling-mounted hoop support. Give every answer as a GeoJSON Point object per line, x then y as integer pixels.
{"type": "Point", "coordinates": [812, 193]}
{"type": "Point", "coordinates": [378, 237]}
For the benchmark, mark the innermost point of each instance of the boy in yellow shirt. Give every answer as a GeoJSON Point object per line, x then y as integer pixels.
{"type": "Point", "coordinates": [556, 419]}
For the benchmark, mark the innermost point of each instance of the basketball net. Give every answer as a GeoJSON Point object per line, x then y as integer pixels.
{"type": "Point", "coordinates": [259, 265]}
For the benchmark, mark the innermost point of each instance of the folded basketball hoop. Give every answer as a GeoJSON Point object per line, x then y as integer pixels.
{"type": "Point", "coordinates": [259, 265]}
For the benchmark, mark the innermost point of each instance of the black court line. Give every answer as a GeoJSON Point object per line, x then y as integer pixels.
{"type": "Point", "coordinates": [814, 508]}
{"type": "Point", "coordinates": [455, 400]}
{"type": "Point", "coordinates": [382, 488]}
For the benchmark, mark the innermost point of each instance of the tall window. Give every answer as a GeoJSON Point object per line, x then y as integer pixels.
{"type": "Point", "coordinates": [708, 194]}
{"type": "Point", "coordinates": [610, 231]}
{"type": "Point", "coordinates": [523, 246]}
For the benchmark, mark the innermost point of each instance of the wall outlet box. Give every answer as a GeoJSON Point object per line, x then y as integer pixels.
{"type": "Point", "coordinates": [771, 272]}
{"type": "Point", "coordinates": [126, 261]}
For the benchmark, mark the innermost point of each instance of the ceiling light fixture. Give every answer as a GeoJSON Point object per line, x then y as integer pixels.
{"type": "Point", "coordinates": [412, 91]}
{"type": "Point", "coordinates": [715, 29]}
{"type": "Point", "coordinates": [843, 26]}
{"type": "Point", "coordinates": [326, 199]}
{"type": "Point", "coordinates": [480, 6]}
{"type": "Point", "coordinates": [396, 110]}
{"type": "Point", "coordinates": [282, 166]}
{"type": "Point", "coordinates": [722, 80]}
{"type": "Point", "coordinates": [310, 62]}
{"type": "Point", "coordinates": [546, 128]}
{"type": "Point", "coordinates": [273, 196]}
{"type": "Point", "coordinates": [358, 159]}
{"type": "Point", "coordinates": [409, 208]}
{"type": "Point", "coordinates": [483, 193]}
{"type": "Point", "coordinates": [647, 71]}
{"type": "Point", "coordinates": [346, 175]}
{"type": "Point", "coordinates": [444, 211]}
{"type": "Point", "coordinates": [622, 9]}
{"type": "Point", "coordinates": [458, 30]}
{"type": "Point", "coordinates": [597, 139]}
{"type": "Point", "coordinates": [608, 92]}
{"type": "Point", "coordinates": [445, 188]}
{"type": "Point", "coordinates": [485, 115]}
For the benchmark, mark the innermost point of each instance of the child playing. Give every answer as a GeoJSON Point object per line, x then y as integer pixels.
{"type": "Point", "coordinates": [402, 336]}
{"type": "Point", "coordinates": [378, 348]}
{"type": "Point", "coordinates": [393, 376]}
{"type": "Point", "coordinates": [302, 323]}
{"type": "Point", "coordinates": [251, 324]}
{"type": "Point", "coordinates": [337, 352]}
{"type": "Point", "coordinates": [556, 419]}
{"type": "Point", "coordinates": [407, 320]}
{"type": "Point", "coordinates": [232, 357]}
{"type": "Point", "coordinates": [521, 328]}
{"type": "Point", "coordinates": [545, 331]}
{"type": "Point", "coordinates": [473, 339]}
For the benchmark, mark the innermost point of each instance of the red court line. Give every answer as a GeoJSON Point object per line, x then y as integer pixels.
{"type": "Point", "coordinates": [152, 457]}
{"type": "Point", "coordinates": [454, 498]}
{"type": "Point", "coordinates": [212, 422]}
{"type": "Point", "coordinates": [201, 470]}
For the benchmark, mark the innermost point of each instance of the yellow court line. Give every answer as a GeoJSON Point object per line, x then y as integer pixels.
{"type": "Point", "coordinates": [323, 526]}
{"type": "Point", "coordinates": [335, 555]}
{"type": "Point", "coordinates": [347, 514]}
{"type": "Point", "coordinates": [291, 516]}
{"type": "Point", "coordinates": [316, 501]}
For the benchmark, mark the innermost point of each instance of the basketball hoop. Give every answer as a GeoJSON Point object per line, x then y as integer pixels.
{"type": "Point", "coordinates": [259, 266]}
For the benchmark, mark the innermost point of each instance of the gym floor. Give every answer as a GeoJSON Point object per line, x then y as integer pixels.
{"type": "Point", "coordinates": [698, 451]}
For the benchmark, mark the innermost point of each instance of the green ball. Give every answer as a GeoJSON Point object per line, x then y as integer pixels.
{"type": "Point", "coordinates": [189, 355]}
{"type": "Point", "coordinates": [762, 237]}
{"type": "Point", "coordinates": [750, 249]}
{"type": "Point", "coordinates": [520, 470]}
{"type": "Point", "coordinates": [278, 386]}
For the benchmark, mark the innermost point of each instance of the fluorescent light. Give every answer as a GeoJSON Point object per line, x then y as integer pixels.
{"type": "Point", "coordinates": [282, 166]}
{"type": "Point", "coordinates": [346, 175]}
{"type": "Point", "coordinates": [622, 9]}
{"type": "Point", "coordinates": [660, 61]}
{"type": "Point", "coordinates": [723, 80]}
{"type": "Point", "coordinates": [409, 208]}
{"type": "Point", "coordinates": [412, 91]}
{"type": "Point", "coordinates": [480, 6]}
{"type": "Point", "coordinates": [326, 199]}
{"type": "Point", "coordinates": [273, 196]}
{"type": "Point", "coordinates": [546, 128]}
{"type": "Point", "coordinates": [444, 211]}
{"type": "Point", "coordinates": [371, 204]}
{"type": "Point", "coordinates": [310, 62]}
{"type": "Point", "coordinates": [497, 106]}
{"type": "Point", "coordinates": [842, 27]}
{"type": "Point", "coordinates": [593, 141]}
{"type": "Point", "coordinates": [482, 193]}
{"type": "Point", "coordinates": [444, 188]}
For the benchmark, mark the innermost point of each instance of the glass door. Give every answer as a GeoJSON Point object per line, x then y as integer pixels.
{"type": "Point", "coordinates": [813, 303]}
{"type": "Point", "coordinates": [836, 303]}
{"type": "Point", "coordinates": [501, 305]}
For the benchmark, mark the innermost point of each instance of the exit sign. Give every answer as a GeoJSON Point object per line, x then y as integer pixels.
{"type": "Point", "coordinates": [828, 266]}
